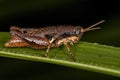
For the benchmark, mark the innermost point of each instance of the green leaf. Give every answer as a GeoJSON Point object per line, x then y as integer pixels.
{"type": "Point", "coordinates": [90, 56]}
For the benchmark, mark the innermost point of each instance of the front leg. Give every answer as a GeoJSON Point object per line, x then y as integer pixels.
{"type": "Point", "coordinates": [69, 51]}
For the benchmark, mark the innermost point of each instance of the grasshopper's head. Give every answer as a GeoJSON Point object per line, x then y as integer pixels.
{"type": "Point", "coordinates": [92, 27]}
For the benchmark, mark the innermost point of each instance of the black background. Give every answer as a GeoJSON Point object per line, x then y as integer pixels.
{"type": "Point", "coordinates": [69, 12]}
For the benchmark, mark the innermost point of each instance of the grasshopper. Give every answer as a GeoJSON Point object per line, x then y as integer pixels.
{"type": "Point", "coordinates": [47, 37]}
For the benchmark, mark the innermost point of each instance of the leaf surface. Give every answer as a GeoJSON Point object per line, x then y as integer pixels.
{"type": "Point", "coordinates": [90, 56]}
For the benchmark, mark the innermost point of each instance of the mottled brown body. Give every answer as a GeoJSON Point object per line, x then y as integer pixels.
{"type": "Point", "coordinates": [51, 36]}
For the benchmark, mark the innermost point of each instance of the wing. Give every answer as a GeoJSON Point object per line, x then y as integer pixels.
{"type": "Point", "coordinates": [37, 42]}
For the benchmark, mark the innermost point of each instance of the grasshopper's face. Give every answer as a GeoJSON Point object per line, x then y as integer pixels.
{"type": "Point", "coordinates": [78, 32]}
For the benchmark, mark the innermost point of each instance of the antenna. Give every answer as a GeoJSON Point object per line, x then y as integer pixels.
{"type": "Point", "coordinates": [91, 27]}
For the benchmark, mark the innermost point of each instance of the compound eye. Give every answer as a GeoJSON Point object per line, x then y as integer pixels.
{"type": "Point", "coordinates": [77, 31]}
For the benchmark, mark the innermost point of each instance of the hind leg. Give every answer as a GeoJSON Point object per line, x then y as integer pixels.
{"type": "Point", "coordinates": [16, 42]}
